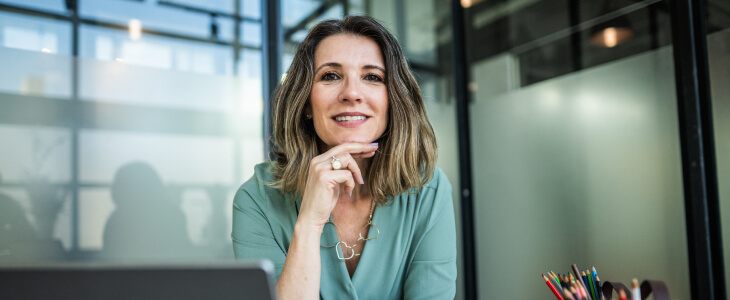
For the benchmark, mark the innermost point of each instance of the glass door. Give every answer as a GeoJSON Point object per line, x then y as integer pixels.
{"type": "Point", "coordinates": [575, 144]}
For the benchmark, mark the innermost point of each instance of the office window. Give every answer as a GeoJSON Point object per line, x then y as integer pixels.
{"type": "Point", "coordinates": [133, 146]}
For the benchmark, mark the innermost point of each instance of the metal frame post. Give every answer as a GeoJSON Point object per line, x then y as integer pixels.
{"type": "Point", "coordinates": [461, 78]}
{"type": "Point", "coordinates": [699, 169]}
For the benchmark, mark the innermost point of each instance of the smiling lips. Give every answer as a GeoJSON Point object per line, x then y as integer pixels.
{"type": "Point", "coordinates": [350, 119]}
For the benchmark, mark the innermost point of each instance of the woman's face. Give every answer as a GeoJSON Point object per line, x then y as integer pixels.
{"type": "Point", "coordinates": [349, 99]}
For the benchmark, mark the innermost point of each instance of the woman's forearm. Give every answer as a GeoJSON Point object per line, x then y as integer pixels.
{"type": "Point", "coordinates": [301, 273]}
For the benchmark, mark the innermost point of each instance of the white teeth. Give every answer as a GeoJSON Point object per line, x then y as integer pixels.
{"type": "Point", "coordinates": [349, 118]}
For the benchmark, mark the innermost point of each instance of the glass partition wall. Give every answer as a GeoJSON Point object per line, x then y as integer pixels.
{"type": "Point", "coordinates": [718, 50]}
{"type": "Point", "coordinates": [575, 144]}
{"type": "Point", "coordinates": [126, 127]}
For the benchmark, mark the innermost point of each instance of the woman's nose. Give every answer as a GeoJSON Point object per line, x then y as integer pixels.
{"type": "Point", "coordinates": [351, 91]}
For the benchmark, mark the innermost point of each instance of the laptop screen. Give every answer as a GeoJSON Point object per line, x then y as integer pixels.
{"type": "Point", "coordinates": [235, 280]}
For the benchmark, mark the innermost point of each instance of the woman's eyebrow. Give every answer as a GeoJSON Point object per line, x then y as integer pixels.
{"type": "Point", "coordinates": [338, 65]}
{"type": "Point", "coordinates": [329, 64]}
{"type": "Point", "coordinates": [374, 67]}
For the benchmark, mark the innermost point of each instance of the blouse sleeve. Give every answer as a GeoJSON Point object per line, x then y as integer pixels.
{"type": "Point", "coordinates": [432, 273]}
{"type": "Point", "coordinates": [251, 234]}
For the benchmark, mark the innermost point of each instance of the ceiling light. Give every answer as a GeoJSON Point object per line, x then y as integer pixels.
{"type": "Point", "coordinates": [135, 29]}
{"type": "Point", "coordinates": [468, 3]}
{"type": "Point", "coordinates": [612, 32]}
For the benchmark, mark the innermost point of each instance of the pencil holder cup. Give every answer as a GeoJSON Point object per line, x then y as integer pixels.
{"type": "Point", "coordinates": [648, 287]}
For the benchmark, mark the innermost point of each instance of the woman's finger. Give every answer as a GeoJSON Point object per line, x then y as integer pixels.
{"type": "Point", "coordinates": [337, 177]}
{"type": "Point", "coordinates": [324, 174]}
{"type": "Point", "coordinates": [347, 162]}
{"type": "Point", "coordinates": [363, 155]}
{"type": "Point", "coordinates": [350, 148]}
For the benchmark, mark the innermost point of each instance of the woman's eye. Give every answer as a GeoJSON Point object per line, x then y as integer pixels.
{"type": "Point", "coordinates": [373, 77]}
{"type": "Point", "coordinates": [330, 77]}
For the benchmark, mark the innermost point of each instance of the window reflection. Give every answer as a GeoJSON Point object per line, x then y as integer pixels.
{"type": "Point", "coordinates": [154, 51]}
{"type": "Point", "coordinates": [133, 149]}
{"type": "Point", "coordinates": [34, 34]}
{"type": "Point", "coordinates": [57, 6]}
{"type": "Point", "coordinates": [150, 13]}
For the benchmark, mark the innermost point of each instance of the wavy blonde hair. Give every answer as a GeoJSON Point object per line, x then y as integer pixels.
{"type": "Point", "coordinates": [407, 149]}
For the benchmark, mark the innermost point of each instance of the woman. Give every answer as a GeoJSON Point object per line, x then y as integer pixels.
{"type": "Point", "coordinates": [352, 205]}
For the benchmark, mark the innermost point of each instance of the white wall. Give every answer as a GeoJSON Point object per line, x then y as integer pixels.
{"type": "Point", "coordinates": [583, 168]}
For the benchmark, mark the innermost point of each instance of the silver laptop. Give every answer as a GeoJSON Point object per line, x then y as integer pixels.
{"type": "Point", "coordinates": [234, 280]}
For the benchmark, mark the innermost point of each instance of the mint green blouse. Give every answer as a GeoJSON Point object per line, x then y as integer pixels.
{"type": "Point", "coordinates": [413, 258]}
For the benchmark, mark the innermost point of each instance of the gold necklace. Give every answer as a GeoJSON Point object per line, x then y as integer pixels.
{"type": "Point", "coordinates": [339, 250]}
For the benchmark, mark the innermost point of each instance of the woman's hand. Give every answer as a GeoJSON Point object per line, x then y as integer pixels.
{"type": "Point", "coordinates": [323, 183]}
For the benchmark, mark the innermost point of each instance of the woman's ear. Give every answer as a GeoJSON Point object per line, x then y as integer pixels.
{"type": "Point", "coordinates": [308, 113]}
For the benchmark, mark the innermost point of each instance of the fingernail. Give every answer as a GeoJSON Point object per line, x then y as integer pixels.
{"type": "Point", "coordinates": [373, 144]}
{"type": "Point", "coordinates": [362, 181]}
{"type": "Point", "coordinates": [350, 193]}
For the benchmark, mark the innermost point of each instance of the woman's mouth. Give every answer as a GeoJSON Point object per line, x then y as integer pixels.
{"type": "Point", "coordinates": [349, 118]}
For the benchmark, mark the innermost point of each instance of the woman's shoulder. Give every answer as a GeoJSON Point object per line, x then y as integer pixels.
{"type": "Point", "coordinates": [264, 171]}
{"type": "Point", "coordinates": [438, 181]}
{"type": "Point", "coordinates": [433, 201]}
{"type": "Point", "coordinates": [435, 193]}
{"type": "Point", "coordinates": [257, 187]}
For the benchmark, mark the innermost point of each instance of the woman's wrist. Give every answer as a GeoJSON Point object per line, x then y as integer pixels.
{"type": "Point", "coordinates": [306, 227]}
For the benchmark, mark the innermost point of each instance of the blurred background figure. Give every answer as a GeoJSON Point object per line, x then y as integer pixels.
{"type": "Point", "coordinates": [144, 224]}
{"type": "Point", "coordinates": [14, 226]}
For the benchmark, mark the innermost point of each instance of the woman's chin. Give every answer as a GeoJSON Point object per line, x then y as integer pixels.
{"type": "Point", "coordinates": [358, 140]}
{"type": "Point", "coordinates": [347, 140]}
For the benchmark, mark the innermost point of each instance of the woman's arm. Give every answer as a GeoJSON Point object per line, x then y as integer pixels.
{"type": "Point", "coordinates": [300, 277]}
{"type": "Point", "coordinates": [298, 269]}
{"type": "Point", "coordinates": [302, 269]}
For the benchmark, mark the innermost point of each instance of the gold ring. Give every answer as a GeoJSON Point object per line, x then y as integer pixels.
{"type": "Point", "coordinates": [336, 163]}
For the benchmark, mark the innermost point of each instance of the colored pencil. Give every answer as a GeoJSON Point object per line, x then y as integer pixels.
{"type": "Point", "coordinates": [575, 292]}
{"type": "Point", "coordinates": [555, 282]}
{"type": "Point", "coordinates": [582, 291]}
{"type": "Point", "coordinates": [588, 293]}
{"type": "Point", "coordinates": [635, 290]}
{"type": "Point", "coordinates": [568, 295]}
{"type": "Point", "coordinates": [591, 285]}
{"type": "Point", "coordinates": [593, 271]}
{"type": "Point", "coordinates": [552, 288]}
{"type": "Point", "coordinates": [555, 278]}
{"type": "Point", "coordinates": [621, 295]}
{"type": "Point", "coordinates": [560, 280]}
{"type": "Point", "coordinates": [576, 284]}
{"type": "Point", "coordinates": [579, 290]}
{"type": "Point", "coordinates": [566, 278]}
{"type": "Point", "coordinates": [577, 273]}
{"type": "Point", "coordinates": [585, 282]}
{"type": "Point", "coordinates": [595, 283]}
{"type": "Point", "coordinates": [585, 293]}
{"type": "Point", "coordinates": [598, 287]}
